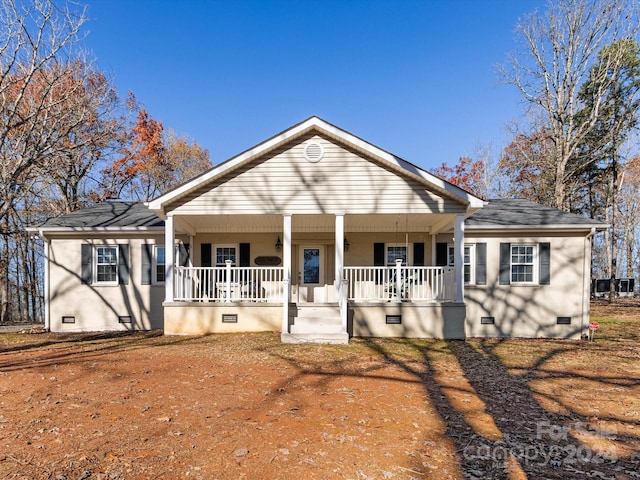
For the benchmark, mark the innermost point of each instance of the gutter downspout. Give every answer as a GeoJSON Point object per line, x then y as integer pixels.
{"type": "Point", "coordinates": [45, 274]}
{"type": "Point", "coordinates": [586, 281]}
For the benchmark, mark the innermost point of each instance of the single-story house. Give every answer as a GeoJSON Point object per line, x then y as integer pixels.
{"type": "Point", "coordinates": [320, 235]}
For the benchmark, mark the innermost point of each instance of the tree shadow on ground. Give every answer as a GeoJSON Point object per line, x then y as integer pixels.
{"type": "Point", "coordinates": [66, 348]}
{"type": "Point", "coordinates": [498, 425]}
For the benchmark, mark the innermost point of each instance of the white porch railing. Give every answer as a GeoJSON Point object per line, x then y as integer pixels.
{"type": "Point", "coordinates": [266, 284]}
{"type": "Point", "coordinates": [431, 284]}
{"type": "Point", "coordinates": [228, 284]}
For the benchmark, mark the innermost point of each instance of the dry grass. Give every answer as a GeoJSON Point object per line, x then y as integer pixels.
{"type": "Point", "coordinates": [246, 406]}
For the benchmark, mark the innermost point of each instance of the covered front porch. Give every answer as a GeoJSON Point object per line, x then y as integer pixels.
{"type": "Point", "coordinates": [315, 277]}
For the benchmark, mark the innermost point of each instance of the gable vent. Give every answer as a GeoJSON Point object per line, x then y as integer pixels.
{"type": "Point", "coordinates": [313, 152]}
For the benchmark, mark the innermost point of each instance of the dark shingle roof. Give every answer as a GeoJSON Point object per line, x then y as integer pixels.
{"type": "Point", "coordinates": [515, 212]}
{"type": "Point", "coordinates": [107, 214]}
{"type": "Point", "coordinates": [498, 213]}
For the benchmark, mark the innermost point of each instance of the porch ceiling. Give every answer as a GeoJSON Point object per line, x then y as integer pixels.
{"type": "Point", "coordinates": [433, 223]}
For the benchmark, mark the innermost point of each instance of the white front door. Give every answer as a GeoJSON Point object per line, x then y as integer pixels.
{"type": "Point", "coordinates": [311, 285]}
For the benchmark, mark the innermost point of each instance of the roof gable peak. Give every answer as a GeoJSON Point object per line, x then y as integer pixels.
{"type": "Point", "coordinates": [333, 133]}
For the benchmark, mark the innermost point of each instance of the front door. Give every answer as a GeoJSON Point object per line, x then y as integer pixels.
{"type": "Point", "coordinates": [311, 286]}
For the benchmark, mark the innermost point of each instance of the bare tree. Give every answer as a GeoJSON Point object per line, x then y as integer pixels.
{"type": "Point", "coordinates": [560, 48]}
{"type": "Point", "coordinates": [629, 212]}
{"type": "Point", "coordinates": [36, 42]}
{"type": "Point", "coordinates": [36, 38]}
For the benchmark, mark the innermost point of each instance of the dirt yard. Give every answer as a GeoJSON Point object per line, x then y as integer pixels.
{"type": "Point", "coordinates": [145, 406]}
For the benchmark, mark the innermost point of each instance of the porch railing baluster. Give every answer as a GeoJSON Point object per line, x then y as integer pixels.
{"type": "Point", "coordinates": [398, 283]}
{"type": "Point", "coordinates": [228, 284]}
{"type": "Point", "coordinates": [265, 284]}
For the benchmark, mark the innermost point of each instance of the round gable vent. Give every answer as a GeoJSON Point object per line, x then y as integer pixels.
{"type": "Point", "coordinates": [313, 152]}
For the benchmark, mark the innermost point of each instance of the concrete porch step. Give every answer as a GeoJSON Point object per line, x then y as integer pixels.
{"type": "Point", "coordinates": [323, 338]}
{"type": "Point", "coordinates": [310, 319]}
{"type": "Point", "coordinates": [316, 325]}
{"type": "Point", "coordinates": [315, 309]}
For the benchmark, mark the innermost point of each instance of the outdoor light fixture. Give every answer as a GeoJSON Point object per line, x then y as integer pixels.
{"type": "Point", "coordinates": [346, 244]}
{"type": "Point", "coordinates": [278, 244]}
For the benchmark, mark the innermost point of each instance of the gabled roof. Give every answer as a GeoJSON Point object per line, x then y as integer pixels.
{"type": "Point", "coordinates": [321, 127]}
{"type": "Point", "coordinates": [516, 213]}
{"type": "Point", "coordinates": [109, 215]}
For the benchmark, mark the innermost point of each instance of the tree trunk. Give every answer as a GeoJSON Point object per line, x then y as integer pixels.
{"type": "Point", "coordinates": [559, 187]}
{"type": "Point", "coordinates": [614, 247]}
{"type": "Point", "coordinates": [4, 276]}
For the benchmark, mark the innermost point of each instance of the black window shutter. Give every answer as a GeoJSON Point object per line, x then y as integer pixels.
{"type": "Point", "coordinates": [441, 254]}
{"type": "Point", "coordinates": [378, 260]}
{"type": "Point", "coordinates": [378, 254]}
{"type": "Point", "coordinates": [86, 254]}
{"type": "Point", "coordinates": [245, 254]}
{"type": "Point", "coordinates": [505, 263]}
{"type": "Point", "coordinates": [145, 268]}
{"type": "Point", "coordinates": [123, 264]}
{"type": "Point", "coordinates": [545, 263]}
{"type": "Point", "coordinates": [418, 254]}
{"type": "Point", "coordinates": [183, 252]}
{"type": "Point", "coordinates": [481, 263]}
{"type": "Point", "coordinates": [205, 254]}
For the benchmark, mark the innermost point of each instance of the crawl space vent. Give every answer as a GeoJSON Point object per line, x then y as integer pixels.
{"type": "Point", "coordinates": [313, 152]}
{"type": "Point", "coordinates": [393, 319]}
{"type": "Point", "coordinates": [229, 318]}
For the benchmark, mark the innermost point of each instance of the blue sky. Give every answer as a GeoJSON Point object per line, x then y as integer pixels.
{"type": "Point", "coordinates": [417, 78]}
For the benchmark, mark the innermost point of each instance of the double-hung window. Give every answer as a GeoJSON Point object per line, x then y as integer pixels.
{"type": "Point", "coordinates": [397, 252]}
{"type": "Point", "coordinates": [468, 262]}
{"type": "Point", "coordinates": [106, 259]}
{"type": "Point", "coordinates": [159, 264]}
{"type": "Point", "coordinates": [104, 264]}
{"type": "Point", "coordinates": [523, 264]}
{"type": "Point", "coordinates": [224, 253]}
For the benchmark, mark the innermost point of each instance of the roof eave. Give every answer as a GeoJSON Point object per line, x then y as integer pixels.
{"type": "Point", "coordinates": [554, 227]}
{"type": "Point", "coordinates": [74, 230]}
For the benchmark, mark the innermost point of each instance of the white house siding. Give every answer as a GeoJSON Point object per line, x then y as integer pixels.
{"type": "Point", "coordinates": [341, 182]}
{"type": "Point", "coordinates": [529, 310]}
{"type": "Point", "coordinates": [97, 307]}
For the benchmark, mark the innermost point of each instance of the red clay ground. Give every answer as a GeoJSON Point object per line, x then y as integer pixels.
{"type": "Point", "coordinates": [144, 406]}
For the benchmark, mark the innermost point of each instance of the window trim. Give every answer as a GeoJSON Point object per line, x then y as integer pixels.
{"type": "Point", "coordinates": [535, 264]}
{"type": "Point", "coordinates": [404, 245]}
{"type": "Point", "coordinates": [155, 264]}
{"type": "Point", "coordinates": [95, 265]}
{"type": "Point", "coordinates": [214, 260]}
{"type": "Point", "coordinates": [471, 263]}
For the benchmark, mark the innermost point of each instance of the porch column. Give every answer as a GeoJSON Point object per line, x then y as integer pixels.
{"type": "Point", "coordinates": [190, 251]}
{"type": "Point", "coordinates": [340, 268]}
{"type": "Point", "coordinates": [169, 238]}
{"type": "Point", "coordinates": [458, 233]}
{"type": "Point", "coordinates": [434, 246]}
{"type": "Point", "coordinates": [286, 265]}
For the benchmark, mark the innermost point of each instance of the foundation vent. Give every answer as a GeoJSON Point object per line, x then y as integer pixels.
{"type": "Point", "coordinates": [229, 318]}
{"type": "Point", "coordinates": [394, 319]}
